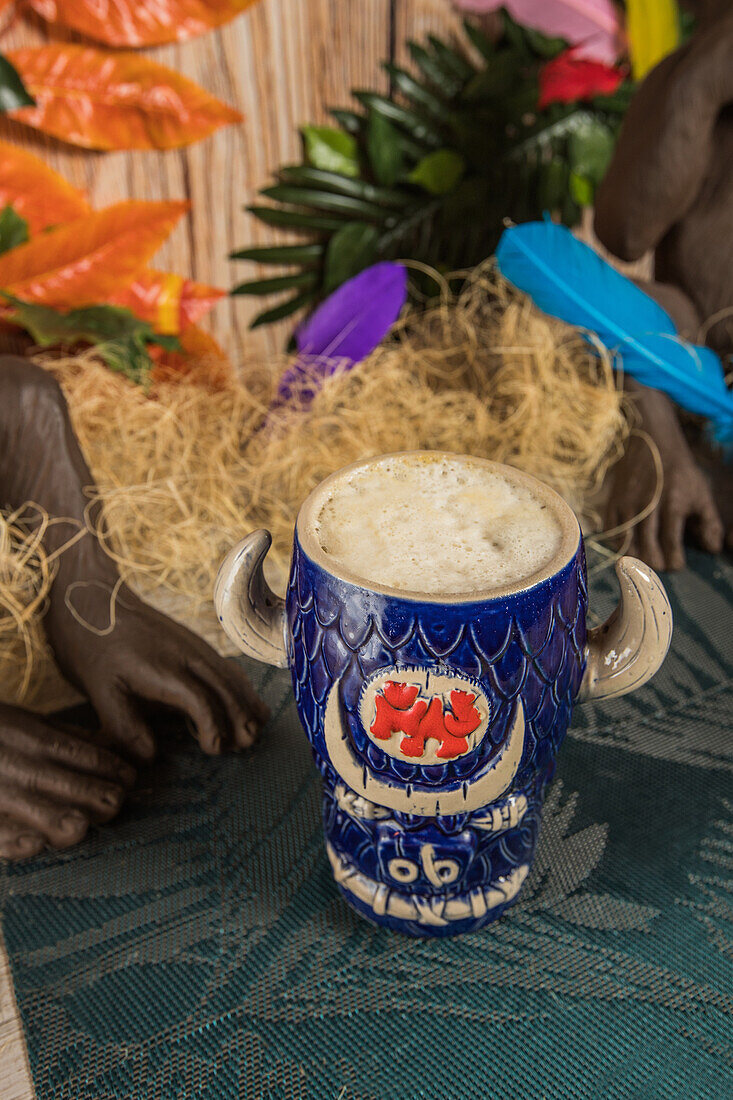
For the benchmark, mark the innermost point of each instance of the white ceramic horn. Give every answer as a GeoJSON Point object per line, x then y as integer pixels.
{"type": "Point", "coordinates": [250, 612]}
{"type": "Point", "coordinates": [629, 647]}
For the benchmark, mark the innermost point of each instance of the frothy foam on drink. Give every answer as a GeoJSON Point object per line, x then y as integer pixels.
{"type": "Point", "coordinates": [436, 526]}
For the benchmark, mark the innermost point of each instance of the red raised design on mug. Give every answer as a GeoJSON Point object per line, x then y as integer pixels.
{"type": "Point", "coordinates": [401, 709]}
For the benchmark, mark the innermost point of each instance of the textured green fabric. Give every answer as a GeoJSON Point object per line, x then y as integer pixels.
{"type": "Point", "coordinates": [197, 947]}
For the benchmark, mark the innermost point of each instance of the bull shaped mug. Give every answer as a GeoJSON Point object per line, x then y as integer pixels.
{"type": "Point", "coordinates": [435, 722]}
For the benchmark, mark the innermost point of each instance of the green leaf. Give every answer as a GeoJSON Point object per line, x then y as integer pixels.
{"type": "Point", "coordinates": [544, 46]}
{"type": "Point", "coordinates": [590, 149]}
{"type": "Point", "coordinates": [553, 184]}
{"type": "Point", "coordinates": [349, 121]}
{"type": "Point", "coordinates": [501, 76]}
{"type": "Point", "coordinates": [438, 172]}
{"type": "Point", "coordinates": [293, 219]}
{"type": "Point", "coordinates": [50, 326]}
{"type": "Point", "coordinates": [481, 42]}
{"type": "Point", "coordinates": [420, 96]}
{"type": "Point", "coordinates": [340, 185]}
{"type": "Point", "coordinates": [12, 89]}
{"type": "Point", "coordinates": [329, 201]}
{"type": "Point", "coordinates": [570, 211]}
{"type": "Point", "coordinates": [514, 34]}
{"type": "Point", "coordinates": [421, 129]}
{"type": "Point", "coordinates": [446, 82]}
{"type": "Point", "coordinates": [619, 102]}
{"type": "Point", "coordinates": [332, 149]}
{"type": "Point", "coordinates": [687, 24]}
{"type": "Point", "coordinates": [582, 189]}
{"type": "Point", "coordinates": [413, 227]}
{"type": "Point", "coordinates": [451, 60]}
{"type": "Point", "coordinates": [385, 150]}
{"type": "Point", "coordinates": [119, 337]}
{"type": "Point", "coordinates": [285, 309]}
{"type": "Point", "coordinates": [279, 282]}
{"type": "Point", "coordinates": [349, 251]}
{"type": "Point", "coordinates": [129, 356]}
{"type": "Point", "coordinates": [13, 229]}
{"type": "Point", "coordinates": [546, 132]}
{"type": "Point", "coordinates": [281, 254]}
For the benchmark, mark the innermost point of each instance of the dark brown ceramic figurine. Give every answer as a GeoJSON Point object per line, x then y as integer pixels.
{"type": "Point", "coordinates": [670, 188]}
{"type": "Point", "coordinates": [55, 781]}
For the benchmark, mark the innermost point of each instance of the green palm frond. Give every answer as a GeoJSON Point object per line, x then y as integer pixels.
{"type": "Point", "coordinates": [432, 171]}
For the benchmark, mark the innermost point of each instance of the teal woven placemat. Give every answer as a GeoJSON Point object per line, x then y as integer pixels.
{"type": "Point", "coordinates": [197, 947]}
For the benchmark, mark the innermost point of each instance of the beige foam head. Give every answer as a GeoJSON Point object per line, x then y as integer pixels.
{"type": "Point", "coordinates": [435, 526]}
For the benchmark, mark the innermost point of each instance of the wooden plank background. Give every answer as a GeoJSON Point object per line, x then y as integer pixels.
{"type": "Point", "coordinates": [282, 63]}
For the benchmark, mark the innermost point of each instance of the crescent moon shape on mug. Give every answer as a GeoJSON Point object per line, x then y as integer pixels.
{"type": "Point", "coordinates": [417, 800]}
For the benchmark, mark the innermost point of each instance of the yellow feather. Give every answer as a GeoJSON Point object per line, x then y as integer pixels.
{"type": "Point", "coordinates": [653, 30]}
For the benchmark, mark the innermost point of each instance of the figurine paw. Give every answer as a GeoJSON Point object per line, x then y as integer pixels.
{"type": "Point", "coordinates": [686, 505]}
{"type": "Point", "coordinates": [54, 784]}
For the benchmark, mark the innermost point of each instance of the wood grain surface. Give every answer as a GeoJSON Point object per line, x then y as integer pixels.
{"type": "Point", "coordinates": [283, 63]}
{"type": "Point", "coordinates": [15, 1075]}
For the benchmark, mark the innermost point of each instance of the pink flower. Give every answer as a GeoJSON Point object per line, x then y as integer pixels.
{"type": "Point", "coordinates": [592, 25]}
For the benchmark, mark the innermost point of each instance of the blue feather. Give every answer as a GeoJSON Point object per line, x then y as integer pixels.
{"type": "Point", "coordinates": [569, 280]}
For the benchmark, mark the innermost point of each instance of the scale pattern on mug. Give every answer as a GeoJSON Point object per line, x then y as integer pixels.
{"type": "Point", "coordinates": [426, 700]}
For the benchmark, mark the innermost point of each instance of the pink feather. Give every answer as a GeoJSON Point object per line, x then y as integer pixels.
{"type": "Point", "coordinates": [591, 25]}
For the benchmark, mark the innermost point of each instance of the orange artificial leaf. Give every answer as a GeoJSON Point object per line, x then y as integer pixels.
{"type": "Point", "coordinates": [200, 360]}
{"type": "Point", "coordinates": [130, 23]}
{"type": "Point", "coordinates": [168, 302]}
{"type": "Point", "coordinates": [88, 260]}
{"type": "Point", "coordinates": [35, 191]}
{"type": "Point", "coordinates": [104, 100]}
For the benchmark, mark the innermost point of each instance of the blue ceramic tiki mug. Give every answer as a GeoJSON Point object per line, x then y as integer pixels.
{"type": "Point", "coordinates": [435, 722]}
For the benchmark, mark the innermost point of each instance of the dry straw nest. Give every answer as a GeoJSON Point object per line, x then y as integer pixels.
{"type": "Point", "coordinates": [185, 470]}
{"type": "Point", "coordinates": [26, 575]}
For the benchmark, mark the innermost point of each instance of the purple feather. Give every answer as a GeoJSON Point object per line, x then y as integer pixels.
{"type": "Point", "coordinates": [348, 326]}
